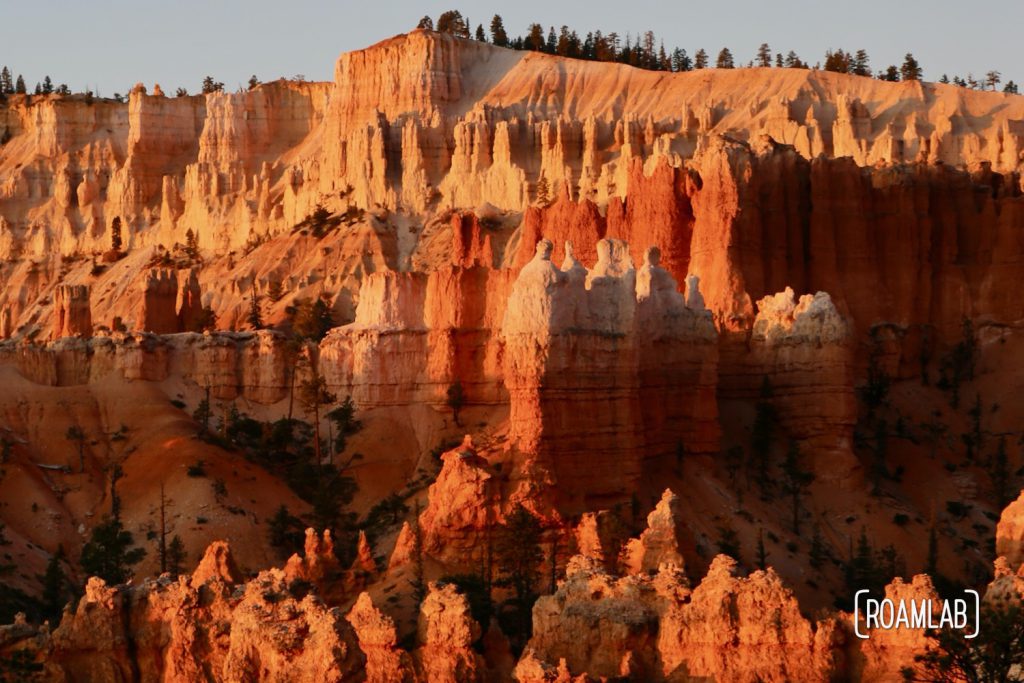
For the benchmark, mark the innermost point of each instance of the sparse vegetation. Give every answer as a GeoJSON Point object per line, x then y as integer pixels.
{"type": "Point", "coordinates": [109, 553]}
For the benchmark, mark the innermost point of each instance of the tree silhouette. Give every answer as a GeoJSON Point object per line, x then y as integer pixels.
{"type": "Point", "coordinates": [210, 85]}
{"type": "Point", "coordinates": [543, 191]}
{"type": "Point", "coordinates": [255, 317]}
{"type": "Point", "coordinates": [764, 55]}
{"type": "Point", "coordinates": [176, 556]}
{"type": "Point", "coordinates": [426, 23]}
{"type": "Point", "coordinates": [115, 234]}
{"type": "Point", "coordinates": [519, 556]}
{"type": "Point", "coordinates": [498, 35]}
{"type": "Point", "coordinates": [453, 22]}
{"type": "Point", "coordinates": [911, 70]}
{"type": "Point", "coordinates": [55, 585]}
{"type": "Point", "coordinates": [795, 480]}
{"type": "Point", "coordinates": [700, 60]}
{"type": "Point", "coordinates": [996, 654]}
{"type": "Point", "coordinates": [109, 554]}
{"type": "Point", "coordinates": [861, 63]}
{"type": "Point", "coordinates": [724, 60]}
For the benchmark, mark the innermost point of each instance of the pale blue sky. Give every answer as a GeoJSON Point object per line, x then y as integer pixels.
{"type": "Point", "coordinates": [111, 44]}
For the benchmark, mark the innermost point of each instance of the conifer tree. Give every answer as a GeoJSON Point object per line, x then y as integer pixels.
{"type": "Point", "coordinates": [19, 86]}
{"type": "Point", "coordinates": [109, 554]}
{"type": "Point", "coordinates": [519, 556]}
{"type": "Point", "coordinates": [764, 55]}
{"type": "Point", "coordinates": [6, 82]}
{"type": "Point", "coordinates": [176, 556]}
{"type": "Point", "coordinates": [861, 63]}
{"type": "Point", "coordinates": [115, 234]}
{"type": "Point", "coordinates": [480, 35]}
{"type": "Point", "coordinates": [47, 85]}
{"type": "Point", "coordinates": [724, 60]}
{"type": "Point", "coordinates": [762, 554]}
{"type": "Point", "coordinates": [255, 317]}
{"type": "Point", "coordinates": [911, 70]}
{"type": "Point", "coordinates": [700, 60]}
{"type": "Point", "coordinates": [55, 585]}
{"type": "Point", "coordinates": [795, 480]}
{"type": "Point", "coordinates": [498, 35]}
{"type": "Point", "coordinates": [426, 23]}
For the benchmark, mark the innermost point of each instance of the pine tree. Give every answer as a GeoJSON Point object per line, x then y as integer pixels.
{"type": "Point", "coordinates": [861, 63]}
{"type": "Point", "coordinates": [729, 541]}
{"type": "Point", "coordinates": [192, 245]}
{"type": "Point", "coordinates": [911, 70]}
{"type": "Point", "coordinates": [795, 480]}
{"type": "Point", "coordinates": [311, 320]}
{"type": "Point", "coordinates": [176, 556]}
{"type": "Point", "coordinates": [700, 60]}
{"type": "Point", "coordinates": [426, 23]}
{"type": "Point", "coordinates": [498, 35]}
{"type": "Point", "coordinates": [519, 556]}
{"type": "Point", "coordinates": [453, 22]}
{"type": "Point", "coordinates": [944, 79]}
{"type": "Point", "coordinates": [992, 79]}
{"type": "Point", "coordinates": [779, 62]}
{"type": "Point", "coordinates": [681, 61]}
{"type": "Point", "coordinates": [255, 317]}
{"type": "Point", "coordinates": [253, 82]}
{"type": "Point", "coordinates": [203, 412]}
{"type": "Point", "coordinates": [55, 585]}
{"type": "Point", "coordinates": [109, 554]}
{"type": "Point", "coordinates": [793, 61]}
{"type": "Point", "coordinates": [285, 531]}
{"type": "Point", "coordinates": [999, 473]}
{"type": "Point", "coordinates": [47, 86]}
{"type": "Point", "coordinates": [6, 82]}
{"type": "Point", "coordinates": [456, 399]}
{"type": "Point", "coordinates": [724, 60]}
{"type": "Point", "coordinates": [19, 86]}
{"type": "Point", "coordinates": [762, 554]}
{"type": "Point", "coordinates": [1011, 88]}
{"type": "Point", "coordinates": [39, 89]}
{"type": "Point", "coordinates": [838, 61]}
{"type": "Point", "coordinates": [995, 654]}
{"type": "Point", "coordinates": [891, 74]}
{"type": "Point", "coordinates": [480, 35]}
{"type": "Point", "coordinates": [210, 85]}
{"type": "Point", "coordinates": [535, 38]}
{"type": "Point", "coordinates": [314, 395]}
{"type": "Point", "coordinates": [764, 55]}
{"type": "Point", "coordinates": [115, 234]}
{"type": "Point", "coordinates": [543, 192]}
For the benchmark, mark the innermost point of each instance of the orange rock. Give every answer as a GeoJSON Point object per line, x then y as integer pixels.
{"type": "Point", "coordinates": [216, 565]}
{"type": "Point", "coordinates": [385, 661]}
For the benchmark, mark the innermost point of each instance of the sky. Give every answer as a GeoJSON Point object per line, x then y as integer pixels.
{"type": "Point", "coordinates": [109, 45]}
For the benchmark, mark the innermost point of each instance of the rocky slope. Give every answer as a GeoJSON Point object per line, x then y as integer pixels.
{"type": "Point", "coordinates": [601, 281]}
